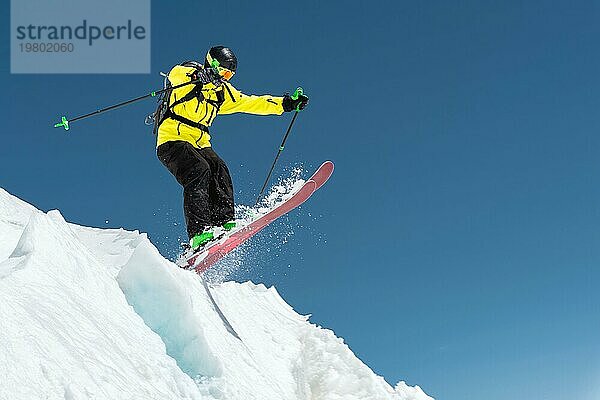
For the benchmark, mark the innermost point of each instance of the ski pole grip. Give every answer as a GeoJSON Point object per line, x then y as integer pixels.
{"type": "Point", "coordinates": [299, 91]}
{"type": "Point", "coordinates": [64, 123]}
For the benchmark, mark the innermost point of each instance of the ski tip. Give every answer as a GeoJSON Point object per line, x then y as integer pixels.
{"type": "Point", "coordinates": [327, 167]}
{"type": "Point", "coordinates": [322, 174]}
{"type": "Point", "coordinates": [327, 164]}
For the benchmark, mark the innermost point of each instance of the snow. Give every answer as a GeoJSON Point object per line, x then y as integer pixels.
{"type": "Point", "coordinates": [89, 313]}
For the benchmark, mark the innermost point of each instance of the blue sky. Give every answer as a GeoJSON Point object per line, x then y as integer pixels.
{"type": "Point", "coordinates": [457, 244]}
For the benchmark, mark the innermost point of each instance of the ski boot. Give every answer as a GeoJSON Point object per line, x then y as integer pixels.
{"type": "Point", "coordinates": [227, 226]}
{"type": "Point", "coordinates": [211, 234]}
{"type": "Point", "coordinates": [201, 239]}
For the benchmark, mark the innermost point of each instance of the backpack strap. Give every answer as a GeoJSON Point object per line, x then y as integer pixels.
{"type": "Point", "coordinates": [196, 92]}
{"type": "Point", "coordinates": [185, 121]}
{"type": "Point", "coordinates": [229, 90]}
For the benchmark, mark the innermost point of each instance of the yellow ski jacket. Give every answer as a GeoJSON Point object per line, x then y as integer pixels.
{"type": "Point", "coordinates": [222, 99]}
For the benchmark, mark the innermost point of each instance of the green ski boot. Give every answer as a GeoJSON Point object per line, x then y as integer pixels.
{"type": "Point", "coordinates": [229, 225]}
{"type": "Point", "coordinates": [201, 239]}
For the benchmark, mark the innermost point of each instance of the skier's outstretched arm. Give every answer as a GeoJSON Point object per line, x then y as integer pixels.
{"type": "Point", "coordinates": [236, 101]}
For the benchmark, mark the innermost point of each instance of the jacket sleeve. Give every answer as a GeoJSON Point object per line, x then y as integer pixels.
{"type": "Point", "coordinates": [236, 101]}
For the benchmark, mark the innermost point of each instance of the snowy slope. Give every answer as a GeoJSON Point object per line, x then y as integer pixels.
{"type": "Point", "coordinates": [91, 313]}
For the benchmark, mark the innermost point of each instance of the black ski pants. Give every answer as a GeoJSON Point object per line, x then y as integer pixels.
{"type": "Point", "coordinates": [207, 186]}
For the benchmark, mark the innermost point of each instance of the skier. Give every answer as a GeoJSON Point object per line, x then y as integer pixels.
{"type": "Point", "coordinates": [183, 138]}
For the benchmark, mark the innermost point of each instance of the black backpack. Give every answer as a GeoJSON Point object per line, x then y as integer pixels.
{"type": "Point", "coordinates": [164, 110]}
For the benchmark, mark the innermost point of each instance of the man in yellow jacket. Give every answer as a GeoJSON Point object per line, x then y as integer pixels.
{"type": "Point", "coordinates": [183, 138]}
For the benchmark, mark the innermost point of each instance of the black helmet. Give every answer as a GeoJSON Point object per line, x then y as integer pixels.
{"type": "Point", "coordinates": [223, 56]}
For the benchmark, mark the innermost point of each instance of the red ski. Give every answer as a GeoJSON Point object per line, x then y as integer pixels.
{"type": "Point", "coordinates": [322, 174]}
{"type": "Point", "coordinates": [213, 252]}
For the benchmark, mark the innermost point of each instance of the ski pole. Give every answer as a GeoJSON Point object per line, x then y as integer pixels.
{"type": "Point", "coordinates": [299, 91]}
{"type": "Point", "coordinates": [64, 122]}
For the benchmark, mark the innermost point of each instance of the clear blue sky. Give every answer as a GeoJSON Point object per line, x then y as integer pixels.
{"type": "Point", "coordinates": [457, 245]}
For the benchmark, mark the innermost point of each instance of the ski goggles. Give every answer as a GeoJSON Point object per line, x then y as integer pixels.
{"type": "Point", "coordinates": [225, 73]}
